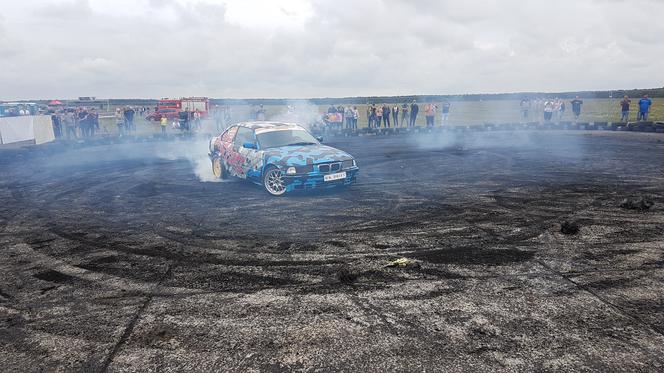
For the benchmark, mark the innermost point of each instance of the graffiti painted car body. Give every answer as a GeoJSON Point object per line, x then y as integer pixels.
{"type": "Point", "coordinates": [282, 157]}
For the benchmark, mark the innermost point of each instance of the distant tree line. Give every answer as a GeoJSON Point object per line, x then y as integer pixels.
{"type": "Point", "coordinates": [652, 92]}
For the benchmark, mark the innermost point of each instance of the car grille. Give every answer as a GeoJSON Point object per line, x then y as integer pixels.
{"type": "Point", "coordinates": [330, 167]}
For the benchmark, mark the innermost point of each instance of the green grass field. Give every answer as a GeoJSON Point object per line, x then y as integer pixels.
{"type": "Point", "coordinates": [461, 113]}
{"type": "Point", "coordinates": [507, 111]}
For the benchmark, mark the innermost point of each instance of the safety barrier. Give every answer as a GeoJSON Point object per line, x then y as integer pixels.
{"type": "Point", "coordinates": [37, 128]}
{"type": "Point", "coordinates": [584, 126]}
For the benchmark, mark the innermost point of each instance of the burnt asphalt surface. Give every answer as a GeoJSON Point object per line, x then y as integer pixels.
{"type": "Point", "coordinates": [114, 259]}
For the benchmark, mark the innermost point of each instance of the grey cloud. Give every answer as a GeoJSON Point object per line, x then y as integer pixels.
{"type": "Point", "coordinates": [67, 10]}
{"type": "Point", "coordinates": [346, 48]}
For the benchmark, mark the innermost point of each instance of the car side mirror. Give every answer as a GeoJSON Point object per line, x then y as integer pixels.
{"type": "Point", "coordinates": [319, 138]}
{"type": "Point", "coordinates": [249, 145]}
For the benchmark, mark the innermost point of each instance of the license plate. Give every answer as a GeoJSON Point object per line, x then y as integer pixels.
{"type": "Point", "coordinates": [337, 176]}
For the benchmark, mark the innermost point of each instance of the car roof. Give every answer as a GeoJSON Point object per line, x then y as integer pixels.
{"type": "Point", "coordinates": [263, 127]}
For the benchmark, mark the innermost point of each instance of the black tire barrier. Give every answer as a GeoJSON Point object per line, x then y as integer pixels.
{"type": "Point", "coordinates": [654, 127]}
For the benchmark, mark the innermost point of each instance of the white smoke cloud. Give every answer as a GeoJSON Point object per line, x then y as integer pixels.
{"type": "Point", "coordinates": [195, 152]}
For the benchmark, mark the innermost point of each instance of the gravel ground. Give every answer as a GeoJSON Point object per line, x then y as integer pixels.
{"type": "Point", "coordinates": [116, 257]}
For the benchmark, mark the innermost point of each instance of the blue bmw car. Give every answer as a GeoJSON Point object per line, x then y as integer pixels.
{"type": "Point", "coordinates": [282, 157]}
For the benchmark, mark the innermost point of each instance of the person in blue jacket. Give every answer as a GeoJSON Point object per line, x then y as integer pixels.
{"type": "Point", "coordinates": [644, 108]}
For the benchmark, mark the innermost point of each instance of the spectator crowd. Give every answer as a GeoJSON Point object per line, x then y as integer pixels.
{"type": "Point", "coordinates": [74, 123]}
{"type": "Point", "coordinates": [82, 122]}
{"type": "Point", "coordinates": [554, 110]}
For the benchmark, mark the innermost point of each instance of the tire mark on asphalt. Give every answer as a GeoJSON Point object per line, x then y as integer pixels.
{"type": "Point", "coordinates": [606, 302]}
{"type": "Point", "coordinates": [132, 323]}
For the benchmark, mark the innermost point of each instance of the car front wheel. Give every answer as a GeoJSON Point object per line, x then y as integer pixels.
{"type": "Point", "coordinates": [273, 181]}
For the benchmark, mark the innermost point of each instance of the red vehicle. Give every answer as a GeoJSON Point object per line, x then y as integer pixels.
{"type": "Point", "coordinates": [171, 107]}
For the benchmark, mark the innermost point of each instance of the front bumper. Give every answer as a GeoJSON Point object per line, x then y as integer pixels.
{"type": "Point", "coordinates": [315, 180]}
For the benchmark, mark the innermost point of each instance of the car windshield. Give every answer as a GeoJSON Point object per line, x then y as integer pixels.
{"type": "Point", "coordinates": [276, 139]}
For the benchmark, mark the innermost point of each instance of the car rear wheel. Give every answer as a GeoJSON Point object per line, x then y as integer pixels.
{"type": "Point", "coordinates": [218, 169]}
{"type": "Point", "coordinates": [273, 181]}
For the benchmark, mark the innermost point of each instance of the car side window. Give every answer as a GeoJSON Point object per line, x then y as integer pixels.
{"type": "Point", "coordinates": [229, 134]}
{"type": "Point", "coordinates": [244, 135]}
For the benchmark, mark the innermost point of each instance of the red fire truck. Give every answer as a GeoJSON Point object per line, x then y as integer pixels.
{"type": "Point", "coordinates": [171, 107]}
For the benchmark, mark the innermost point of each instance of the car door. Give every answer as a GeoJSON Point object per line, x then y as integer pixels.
{"type": "Point", "coordinates": [240, 159]}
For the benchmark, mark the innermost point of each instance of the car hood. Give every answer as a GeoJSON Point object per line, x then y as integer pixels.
{"type": "Point", "coordinates": [304, 154]}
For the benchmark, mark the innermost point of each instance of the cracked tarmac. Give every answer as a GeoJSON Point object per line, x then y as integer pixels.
{"type": "Point", "coordinates": [116, 259]}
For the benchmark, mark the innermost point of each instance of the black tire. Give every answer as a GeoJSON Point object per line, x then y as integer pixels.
{"type": "Point", "coordinates": [218, 169]}
{"type": "Point", "coordinates": [273, 181]}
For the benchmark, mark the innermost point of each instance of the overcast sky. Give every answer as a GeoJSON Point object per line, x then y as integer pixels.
{"type": "Point", "coordinates": [325, 48]}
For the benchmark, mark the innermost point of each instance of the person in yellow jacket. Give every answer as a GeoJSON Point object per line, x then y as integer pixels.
{"type": "Point", "coordinates": [164, 123]}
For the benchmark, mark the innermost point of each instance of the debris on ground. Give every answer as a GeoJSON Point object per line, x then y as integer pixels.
{"type": "Point", "coordinates": [403, 262]}
{"type": "Point", "coordinates": [346, 276]}
{"type": "Point", "coordinates": [640, 203]}
{"type": "Point", "coordinates": [569, 228]}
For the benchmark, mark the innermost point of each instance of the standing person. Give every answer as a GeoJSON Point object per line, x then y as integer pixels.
{"type": "Point", "coordinates": [119, 121]}
{"type": "Point", "coordinates": [414, 109]}
{"type": "Point", "coordinates": [342, 111]}
{"type": "Point", "coordinates": [624, 109]}
{"type": "Point", "coordinates": [561, 110]}
{"type": "Point", "coordinates": [369, 116]}
{"type": "Point", "coordinates": [430, 113]}
{"type": "Point", "coordinates": [395, 115]}
{"type": "Point", "coordinates": [56, 120]}
{"type": "Point", "coordinates": [379, 115]}
{"type": "Point", "coordinates": [525, 108]}
{"type": "Point", "coordinates": [404, 115]}
{"type": "Point", "coordinates": [446, 113]}
{"type": "Point", "coordinates": [348, 115]}
{"type": "Point", "coordinates": [197, 119]}
{"type": "Point", "coordinates": [129, 119]}
{"type": "Point", "coordinates": [548, 111]}
{"type": "Point", "coordinates": [386, 115]}
{"type": "Point", "coordinates": [576, 107]}
{"type": "Point", "coordinates": [82, 121]}
{"type": "Point", "coordinates": [164, 123]}
{"type": "Point", "coordinates": [93, 122]}
{"type": "Point", "coordinates": [644, 108]}
{"type": "Point", "coordinates": [70, 124]}
{"type": "Point", "coordinates": [183, 120]}
{"type": "Point", "coordinates": [356, 116]}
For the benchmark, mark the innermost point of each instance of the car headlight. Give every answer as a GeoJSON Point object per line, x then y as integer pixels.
{"type": "Point", "coordinates": [291, 171]}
